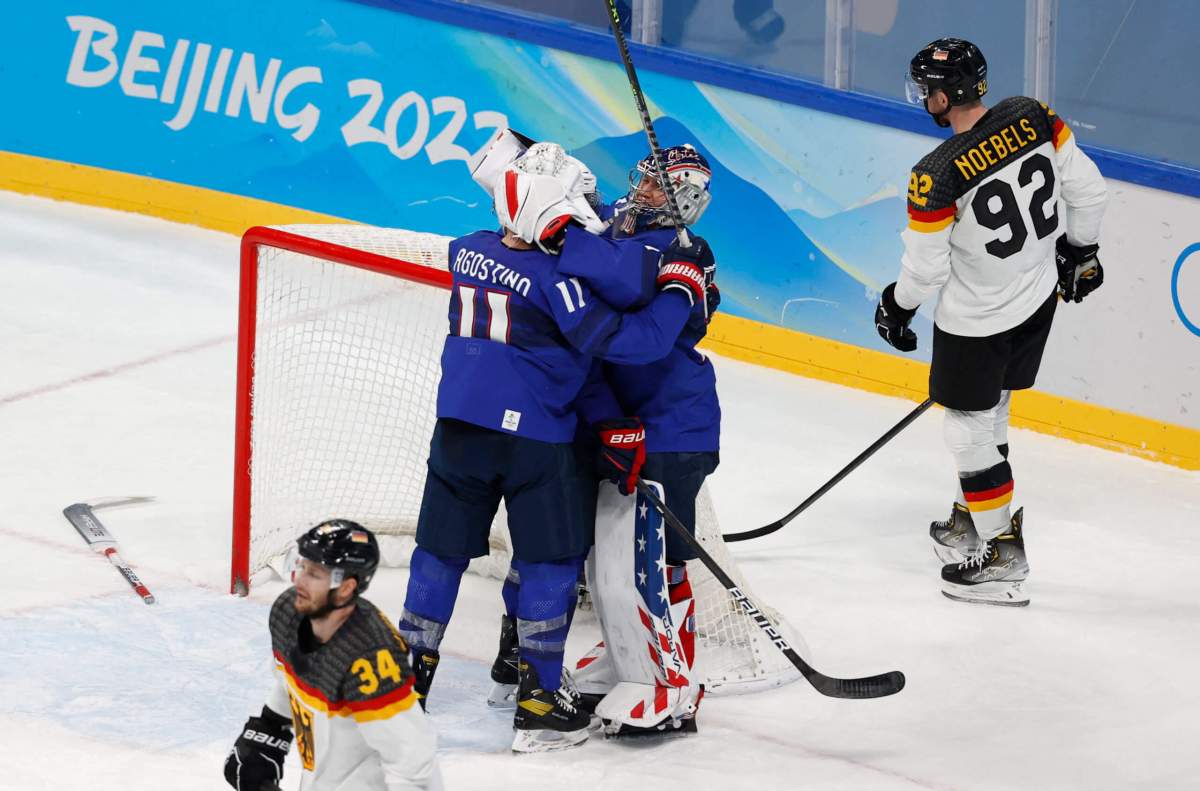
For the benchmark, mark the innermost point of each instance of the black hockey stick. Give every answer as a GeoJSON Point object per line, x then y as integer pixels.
{"type": "Point", "coordinates": [869, 687]}
{"type": "Point", "coordinates": [746, 535]}
{"type": "Point", "coordinates": [672, 207]}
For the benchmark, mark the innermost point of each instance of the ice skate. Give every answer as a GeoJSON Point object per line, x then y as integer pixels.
{"type": "Point", "coordinates": [993, 575]}
{"type": "Point", "coordinates": [544, 720]}
{"type": "Point", "coordinates": [504, 670]}
{"type": "Point", "coordinates": [955, 538]}
{"type": "Point", "coordinates": [424, 665]}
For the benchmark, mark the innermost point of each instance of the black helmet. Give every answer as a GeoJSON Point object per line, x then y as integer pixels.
{"type": "Point", "coordinates": [342, 546]}
{"type": "Point", "coordinates": [952, 65]}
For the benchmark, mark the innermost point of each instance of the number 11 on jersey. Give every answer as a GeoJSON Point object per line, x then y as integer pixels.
{"type": "Point", "coordinates": [492, 306]}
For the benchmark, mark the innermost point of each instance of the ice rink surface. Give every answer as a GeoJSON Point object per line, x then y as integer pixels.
{"type": "Point", "coordinates": [117, 378]}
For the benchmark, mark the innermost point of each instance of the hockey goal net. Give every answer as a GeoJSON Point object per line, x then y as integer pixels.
{"type": "Point", "coordinates": [340, 336]}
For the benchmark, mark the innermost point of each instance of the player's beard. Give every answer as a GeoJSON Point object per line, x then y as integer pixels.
{"type": "Point", "coordinates": [306, 605]}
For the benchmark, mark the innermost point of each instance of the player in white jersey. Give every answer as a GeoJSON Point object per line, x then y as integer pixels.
{"type": "Point", "coordinates": [343, 683]}
{"type": "Point", "coordinates": [1004, 218]}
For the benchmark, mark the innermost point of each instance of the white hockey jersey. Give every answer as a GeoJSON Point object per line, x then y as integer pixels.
{"type": "Point", "coordinates": [985, 208]}
{"type": "Point", "coordinates": [357, 723]}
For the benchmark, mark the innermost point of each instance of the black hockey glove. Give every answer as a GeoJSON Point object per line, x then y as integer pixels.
{"type": "Point", "coordinates": [892, 321]}
{"type": "Point", "coordinates": [712, 295]}
{"type": "Point", "coordinates": [622, 451]}
{"type": "Point", "coordinates": [256, 761]}
{"type": "Point", "coordinates": [1079, 270]}
{"type": "Point", "coordinates": [684, 268]}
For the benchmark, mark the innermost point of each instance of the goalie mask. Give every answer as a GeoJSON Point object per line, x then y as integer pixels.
{"type": "Point", "coordinates": [646, 204]}
{"type": "Point", "coordinates": [537, 207]}
{"type": "Point", "coordinates": [346, 548]}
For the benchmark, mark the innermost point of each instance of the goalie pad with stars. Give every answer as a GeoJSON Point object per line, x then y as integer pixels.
{"type": "Point", "coordinates": [642, 667]}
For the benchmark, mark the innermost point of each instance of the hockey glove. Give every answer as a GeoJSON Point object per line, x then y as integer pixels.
{"type": "Point", "coordinates": [892, 321]}
{"type": "Point", "coordinates": [683, 268]}
{"type": "Point", "coordinates": [712, 296]}
{"type": "Point", "coordinates": [622, 451]}
{"type": "Point", "coordinates": [256, 761]}
{"type": "Point", "coordinates": [1079, 270]}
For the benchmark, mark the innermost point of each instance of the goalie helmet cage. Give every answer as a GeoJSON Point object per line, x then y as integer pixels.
{"type": "Point", "coordinates": [339, 343]}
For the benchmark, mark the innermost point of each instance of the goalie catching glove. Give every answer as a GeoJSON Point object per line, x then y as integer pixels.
{"type": "Point", "coordinates": [622, 451]}
{"type": "Point", "coordinates": [256, 761]}
{"type": "Point", "coordinates": [1079, 270]}
{"type": "Point", "coordinates": [687, 269]}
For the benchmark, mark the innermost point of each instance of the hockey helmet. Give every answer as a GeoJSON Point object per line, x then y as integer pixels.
{"type": "Point", "coordinates": [346, 548]}
{"type": "Point", "coordinates": [690, 175]}
{"type": "Point", "coordinates": [952, 65]}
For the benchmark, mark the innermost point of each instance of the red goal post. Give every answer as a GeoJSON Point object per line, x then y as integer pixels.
{"type": "Point", "coordinates": [253, 241]}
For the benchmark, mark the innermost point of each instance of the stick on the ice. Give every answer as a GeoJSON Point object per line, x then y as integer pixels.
{"type": "Point", "coordinates": [614, 19]}
{"type": "Point", "coordinates": [869, 687]}
{"type": "Point", "coordinates": [746, 535]}
{"type": "Point", "coordinates": [82, 518]}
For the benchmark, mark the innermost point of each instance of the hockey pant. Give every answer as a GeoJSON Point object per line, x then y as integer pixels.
{"type": "Point", "coordinates": [645, 665]}
{"type": "Point", "coordinates": [978, 440]}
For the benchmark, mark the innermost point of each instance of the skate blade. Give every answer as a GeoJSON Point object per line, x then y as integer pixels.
{"type": "Point", "coordinates": [503, 696]}
{"type": "Point", "coordinates": [545, 740]}
{"type": "Point", "coordinates": [999, 594]}
{"type": "Point", "coordinates": [671, 728]}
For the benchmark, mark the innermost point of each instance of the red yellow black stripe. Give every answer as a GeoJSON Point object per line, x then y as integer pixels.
{"type": "Point", "coordinates": [1061, 133]}
{"type": "Point", "coordinates": [989, 499]}
{"type": "Point", "coordinates": [930, 221]}
{"type": "Point", "coordinates": [382, 707]}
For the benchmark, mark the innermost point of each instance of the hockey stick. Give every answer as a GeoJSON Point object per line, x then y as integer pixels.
{"type": "Point", "coordinates": [82, 518]}
{"type": "Point", "coordinates": [857, 688]}
{"type": "Point", "coordinates": [746, 535]}
{"type": "Point", "coordinates": [614, 19]}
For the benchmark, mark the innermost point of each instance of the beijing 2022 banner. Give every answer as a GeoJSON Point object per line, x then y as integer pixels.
{"type": "Point", "coordinates": [361, 111]}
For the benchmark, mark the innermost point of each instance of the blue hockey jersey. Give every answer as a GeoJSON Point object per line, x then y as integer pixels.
{"type": "Point", "coordinates": [675, 397]}
{"type": "Point", "coordinates": [523, 335]}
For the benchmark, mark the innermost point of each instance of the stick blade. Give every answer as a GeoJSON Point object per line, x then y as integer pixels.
{"type": "Point", "coordinates": [859, 688]}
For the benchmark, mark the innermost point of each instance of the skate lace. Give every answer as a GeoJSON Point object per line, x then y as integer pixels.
{"type": "Point", "coordinates": [978, 558]}
{"type": "Point", "coordinates": [565, 701]}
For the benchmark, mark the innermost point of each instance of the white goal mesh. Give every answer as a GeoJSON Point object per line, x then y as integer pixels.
{"type": "Point", "coordinates": [341, 333]}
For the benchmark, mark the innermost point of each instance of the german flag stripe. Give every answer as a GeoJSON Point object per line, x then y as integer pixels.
{"type": "Point", "coordinates": [989, 499]}
{"type": "Point", "coordinates": [930, 221]}
{"type": "Point", "coordinates": [988, 494]}
{"type": "Point", "coordinates": [399, 699]}
{"type": "Point", "coordinates": [1061, 133]}
{"type": "Point", "coordinates": [979, 506]}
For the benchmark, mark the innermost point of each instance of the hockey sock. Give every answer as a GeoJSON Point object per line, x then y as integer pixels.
{"type": "Point", "coordinates": [509, 592]}
{"type": "Point", "coordinates": [544, 615]}
{"type": "Point", "coordinates": [679, 589]}
{"type": "Point", "coordinates": [432, 588]}
{"type": "Point", "coordinates": [988, 493]}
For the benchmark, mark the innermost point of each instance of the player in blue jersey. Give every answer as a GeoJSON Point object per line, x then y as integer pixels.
{"type": "Point", "coordinates": [675, 399]}
{"type": "Point", "coordinates": [522, 338]}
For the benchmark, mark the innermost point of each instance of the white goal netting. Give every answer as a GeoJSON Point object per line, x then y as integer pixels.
{"type": "Point", "coordinates": [342, 390]}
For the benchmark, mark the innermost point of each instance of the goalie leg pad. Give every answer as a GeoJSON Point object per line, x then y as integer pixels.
{"type": "Point", "coordinates": [644, 627]}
